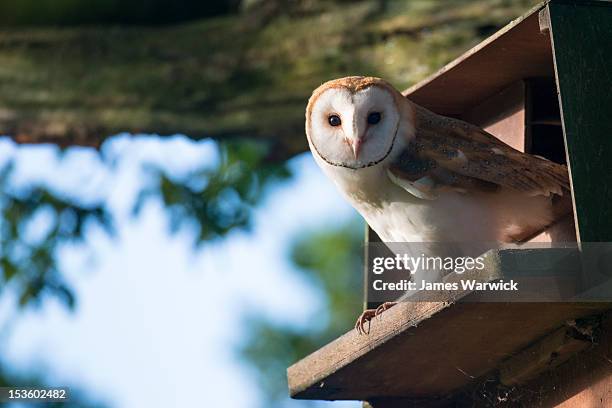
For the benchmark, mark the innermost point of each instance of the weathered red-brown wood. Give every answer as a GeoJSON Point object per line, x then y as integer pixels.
{"type": "Point", "coordinates": [429, 350]}
{"type": "Point", "coordinates": [517, 51]}
{"type": "Point", "coordinates": [425, 351]}
{"type": "Point", "coordinates": [584, 381]}
{"type": "Point", "coordinates": [504, 115]}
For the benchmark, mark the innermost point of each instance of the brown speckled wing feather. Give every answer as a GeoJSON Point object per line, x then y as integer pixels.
{"type": "Point", "coordinates": [453, 154]}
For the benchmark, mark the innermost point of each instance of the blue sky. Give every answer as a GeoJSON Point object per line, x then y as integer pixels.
{"type": "Point", "coordinates": [157, 323]}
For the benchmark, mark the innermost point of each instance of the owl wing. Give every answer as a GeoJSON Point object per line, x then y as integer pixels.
{"type": "Point", "coordinates": [449, 154]}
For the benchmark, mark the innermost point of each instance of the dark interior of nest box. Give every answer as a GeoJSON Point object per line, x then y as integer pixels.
{"type": "Point", "coordinates": [524, 115]}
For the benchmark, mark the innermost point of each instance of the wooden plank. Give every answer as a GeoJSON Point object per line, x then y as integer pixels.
{"type": "Point", "coordinates": [582, 40]}
{"type": "Point", "coordinates": [549, 352]}
{"type": "Point", "coordinates": [517, 51]}
{"type": "Point", "coordinates": [503, 115]}
{"type": "Point", "coordinates": [428, 350]}
{"type": "Point", "coordinates": [452, 347]}
{"type": "Point", "coordinates": [585, 381]}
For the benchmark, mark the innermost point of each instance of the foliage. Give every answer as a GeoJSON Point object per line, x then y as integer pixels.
{"type": "Point", "coordinates": [217, 199]}
{"type": "Point", "coordinates": [29, 265]}
{"type": "Point", "coordinates": [75, 12]}
{"type": "Point", "coordinates": [332, 261]}
{"type": "Point", "coordinates": [247, 74]}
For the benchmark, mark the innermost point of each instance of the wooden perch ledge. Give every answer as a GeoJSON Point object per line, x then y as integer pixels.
{"type": "Point", "coordinates": [427, 353]}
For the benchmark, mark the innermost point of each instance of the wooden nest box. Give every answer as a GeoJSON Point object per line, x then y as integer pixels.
{"type": "Point", "coordinates": [542, 84]}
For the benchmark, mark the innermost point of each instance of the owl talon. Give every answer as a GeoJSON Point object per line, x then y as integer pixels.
{"type": "Point", "coordinates": [368, 315]}
{"type": "Point", "coordinates": [365, 317]}
{"type": "Point", "coordinates": [383, 307]}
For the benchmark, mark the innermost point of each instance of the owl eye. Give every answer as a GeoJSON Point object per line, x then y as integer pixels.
{"type": "Point", "coordinates": [334, 120]}
{"type": "Point", "coordinates": [374, 118]}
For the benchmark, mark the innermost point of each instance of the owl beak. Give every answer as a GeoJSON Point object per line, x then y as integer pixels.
{"type": "Point", "coordinates": [356, 146]}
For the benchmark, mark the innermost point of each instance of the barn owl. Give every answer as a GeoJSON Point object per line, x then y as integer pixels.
{"type": "Point", "coordinates": [416, 176]}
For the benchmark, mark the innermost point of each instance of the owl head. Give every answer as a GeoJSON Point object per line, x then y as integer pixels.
{"type": "Point", "coordinates": [353, 122]}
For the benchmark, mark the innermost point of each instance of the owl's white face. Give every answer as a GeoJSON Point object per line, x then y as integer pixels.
{"type": "Point", "coordinates": [353, 130]}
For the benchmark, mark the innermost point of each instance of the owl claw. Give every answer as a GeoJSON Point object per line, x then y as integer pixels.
{"type": "Point", "coordinates": [368, 315]}
{"type": "Point", "coordinates": [383, 307]}
{"type": "Point", "coordinates": [365, 317]}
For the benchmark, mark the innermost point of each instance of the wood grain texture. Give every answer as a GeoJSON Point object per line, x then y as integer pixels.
{"type": "Point", "coordinates": [503, 115]}
{"type": "Point", "coordinates": [430, 349]}
{"type": "Point", "coordinates": [549, 352]}
{"type": "Point", "coordinates": [516, 52]}
{"type": "Point", "coordinates": [584, 381]}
